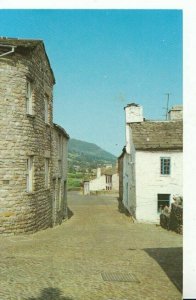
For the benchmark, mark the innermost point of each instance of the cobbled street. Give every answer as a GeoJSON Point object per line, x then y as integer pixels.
{"type": "Point", "coordinates": [72, 261]}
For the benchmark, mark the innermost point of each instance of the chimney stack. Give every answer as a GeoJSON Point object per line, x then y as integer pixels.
{"type": "Point", "coordinates": [133, 114]}
{"type": "Point", "coordinates": [176, 113]}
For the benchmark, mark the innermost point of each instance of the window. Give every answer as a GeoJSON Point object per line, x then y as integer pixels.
{"type": "Point", "coordinates": [47, 174]}
{"type": "Point", "coordinates": [29, 176]}
{"type": "Point", "coordinates": [46, 109]}
{"type": "Point", "coordinates": [165, 165]}
{"type": "Point", "coordinates": [108, 178]}
{"type": "Point", "coordinates": [108, 182]}
{"type": "Point", "coordinates": [163, 200]}
{"type": "Point", "coordinates": [29, 103]}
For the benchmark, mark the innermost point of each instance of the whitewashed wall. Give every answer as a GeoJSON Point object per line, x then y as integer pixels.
{"type": "Point", "coordinates": [149, 182]}
{"type": "Point", "coordinates": [129, 196]}
{"type": "Point", "coordinates": [98, 184]}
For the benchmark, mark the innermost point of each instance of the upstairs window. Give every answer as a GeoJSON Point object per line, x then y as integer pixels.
{"type": "Point", "coordinates": [29, 102]}
{"type": "Point", "coordinates": [165, 166]}
{"type": "Point", "coordinates": [46, 109]}
{"type": "Point", "coordinates": [29, 176]}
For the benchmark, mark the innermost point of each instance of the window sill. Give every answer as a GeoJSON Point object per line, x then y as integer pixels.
{"type": "Point", "coordinates": [30, 193]}
{"type": "Point", "coordinates": [30, 116]}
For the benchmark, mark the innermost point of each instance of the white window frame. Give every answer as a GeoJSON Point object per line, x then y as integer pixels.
{"type": "Point", "coordinates": [163, 167]}
{"type": "Point", "coordinates": [30, 174]}
{"type": "Point", "coordinates": [47, 173]}
{"type": "Point", "coordinates": [29, 97]}
{"type": "Point", "coordinates": [159, 201]}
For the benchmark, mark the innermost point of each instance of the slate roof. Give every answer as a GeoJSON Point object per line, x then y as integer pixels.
{"type": "Point", "coordinates": [109, 171]}
{"type": "Point", "coordinates": [62, 130]}
{"type": "Point", "coordinates": [154, 135]}
{"type": "Point", "coordinates": [27, 44]}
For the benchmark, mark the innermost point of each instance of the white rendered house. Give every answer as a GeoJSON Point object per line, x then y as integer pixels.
{"type": "Point", "coordinates": [151, 163]}
{"type": "Point", "coordinates": [107, 180]}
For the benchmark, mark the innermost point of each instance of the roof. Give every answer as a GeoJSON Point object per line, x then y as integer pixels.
{"type": "Point", "coordinates": [27, 43]}
{"type": "Point", "coordinates": [109, 171]}
{"type": "Point", "coordinates": [20, 44]}
{"type": "Point", "coordinates": [122, 153]}
{"type": "Point", "coordinates": [154, 135]}
{"type": "Point", "coordinates": [62, 130]}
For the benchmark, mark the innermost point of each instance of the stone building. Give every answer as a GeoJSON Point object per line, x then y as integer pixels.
{"type": "Point", "coordinates": [33, 150]}
{"type": "Point", "coordinates": [151, 163]}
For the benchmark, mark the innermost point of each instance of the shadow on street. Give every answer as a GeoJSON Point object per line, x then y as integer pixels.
{"type": "Point", "coordinates": [170, 259]}
{"type": "Point", "coordinates": [69, 213]}
{"type": "Point", "coordinates": [122, 209]}
{"type": "Point", "coordinates": [50, 294]}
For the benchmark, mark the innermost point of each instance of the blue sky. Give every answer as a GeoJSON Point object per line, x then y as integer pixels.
{"type": "Point", "coordinates": [103, 60]}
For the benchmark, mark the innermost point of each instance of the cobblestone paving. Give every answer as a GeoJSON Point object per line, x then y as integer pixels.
{"type": "Point", "coordinates": [66, 262]}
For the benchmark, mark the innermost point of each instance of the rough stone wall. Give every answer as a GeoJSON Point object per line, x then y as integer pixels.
{"type": "Point", "coordinates": [176, 218]}
{"type": "Point", "coordinates": [173, 220]}
{"type": "Point", "coordinates": [22, 135]}
{"type": "Point", "coordinates": [59, 176]}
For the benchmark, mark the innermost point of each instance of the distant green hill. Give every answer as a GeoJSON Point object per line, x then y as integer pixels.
{"type": "Point", "coordinates": [83, 155]}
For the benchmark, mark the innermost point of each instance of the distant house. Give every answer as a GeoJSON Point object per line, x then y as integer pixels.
{"type": "Point", "coordinates": [107, 179]}
{"type": "Point", "coordinates": [150, 166]}
{"type": "Point", "coordinates": [33, 156]}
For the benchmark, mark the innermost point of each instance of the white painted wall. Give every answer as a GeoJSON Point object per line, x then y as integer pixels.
{"type": "Point", "coordinates": [129, 196]}
{"type": "Point", "coordinates": [98, 184]}
{"type": "Point", "coordinates": [149, 182]}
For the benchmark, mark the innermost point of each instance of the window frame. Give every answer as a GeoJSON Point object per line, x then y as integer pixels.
{"type": "Point", "coordinates": [163, 201]}
{"type": "Point", "coordinates": [29, 174]}
{"type": "Point", "coordinates": [29, 97]}
{"type": "Point", "coordinates": [165, 170]}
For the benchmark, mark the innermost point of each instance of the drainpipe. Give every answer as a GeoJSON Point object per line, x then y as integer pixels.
{"type": "Point", "coordinates": [6, 53]}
